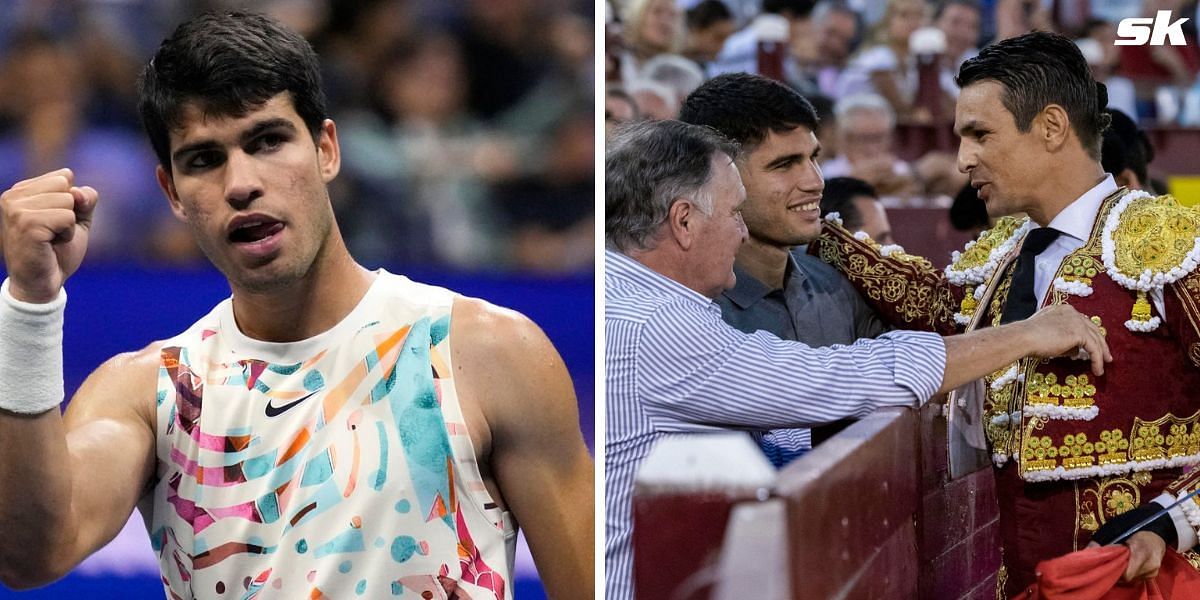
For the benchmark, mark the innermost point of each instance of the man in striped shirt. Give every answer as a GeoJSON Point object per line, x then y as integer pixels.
{"type": "Point", "coordinates": [672, 229]}
{"type": "Point", "coordinates": [785, 292]}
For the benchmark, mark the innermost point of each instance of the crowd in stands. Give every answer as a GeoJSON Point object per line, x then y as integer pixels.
{"type": "Point", "coordinates": [467, 127]}
{"type": "Point", "coordinates": [871, 68]}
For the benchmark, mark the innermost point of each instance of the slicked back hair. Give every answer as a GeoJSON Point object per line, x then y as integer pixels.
{"type": "Point", "coordinates": [647, 166]}
{"type": "Point", "coordinates": [228, 64]}
{"type": "Point", "coordinates": [1037, 69]}
{"type": "Point", "coordinates": [746, 108]}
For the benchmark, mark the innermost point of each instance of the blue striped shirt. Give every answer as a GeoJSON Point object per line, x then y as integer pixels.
{"type": "Point", "coordinates": [672, 366]}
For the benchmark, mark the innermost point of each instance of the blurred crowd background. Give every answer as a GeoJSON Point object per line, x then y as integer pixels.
{"type": "Point", "coordinates": [880, 74]}
{"type": "Point", "coordinates": [468, 144]}
{"type": "Point", "coordinates": [467, 127]}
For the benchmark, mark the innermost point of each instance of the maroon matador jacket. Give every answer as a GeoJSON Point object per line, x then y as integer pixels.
{"type": "Point", "coordinates": [1070, 449]}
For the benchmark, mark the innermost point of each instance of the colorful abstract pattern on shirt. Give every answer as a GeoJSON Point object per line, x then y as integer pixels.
{"type": "Point", "coordinates": [346, 474]}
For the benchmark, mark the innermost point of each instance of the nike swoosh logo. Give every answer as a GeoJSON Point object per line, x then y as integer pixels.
{"type": "Point", "coordinates": [275, 411]}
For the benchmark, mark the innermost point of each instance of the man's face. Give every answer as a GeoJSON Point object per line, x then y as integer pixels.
{"type": "Point", "coordinates": [707, 42]}
{"type": "Point", "coordinates": [783, 188]}
{"type": "Point", "coordinates": [660, 25]}
{"type": "Point", "coordinates": [835, 35]}
{"type": "Point", "coordinates": [874, 219]}
{"type": "Point", "coordinates": [961, 26]}
{"type": "Point", "coordinates": [802, 40]}
{"type": "Point", "coordinates": [1003, 164]}
{"type": "Point", "coordinates": [721, 233]}
{"type": "Point", "coordinates": [253, 191]}
{"type": "Point", "coordinates": [906, 17]}
{"type": "Point", "coordinates": [865, 135]}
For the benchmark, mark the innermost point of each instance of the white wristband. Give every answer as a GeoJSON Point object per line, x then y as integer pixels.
{"type": "Point", "coordinates": [31, 354]}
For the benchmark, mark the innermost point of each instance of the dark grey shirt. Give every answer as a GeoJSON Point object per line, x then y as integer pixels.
{"type": "Point", "coordinates": [816, 306]}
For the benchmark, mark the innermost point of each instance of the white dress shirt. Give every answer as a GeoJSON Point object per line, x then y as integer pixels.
{"type": "Point", "coordinates": [1076, 222]}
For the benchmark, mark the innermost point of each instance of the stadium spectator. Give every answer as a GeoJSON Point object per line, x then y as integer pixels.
{"type": "Point", "coordinates": [959, 20]}
{"type": "Point", "coordinates": [524, 64]}
{"type": "Point", "coordinates": [887, 68]}
{"type": "Point", "coordinates": [740, 53]}
{"type": "Point", "coordinates": [1104, 58]}
{"type": "Point", "coordinates": [619, 107]}
{"type": "Point", "coordinates": [1126, 152]}
{"type": "Point", "coordinates": [857, 203]}
{"type": "Point", "coordinates": [652, 27]}
{"type": "Point", "coordinates": [425, 162]}
{"type": "Point", "coordinates": [709, 24]}
{"type": "Point", "coordinates": [1014, 17]}
{"type": "Point", "coordinates": [838, 32]}
{"type": "Point", "coordinates": [654, 100]}
{"type": "Point", "coordinates": [866, 133]}
{"type": "Point", "coordinates": [674, 71]}
{"type": "Point", "coordinates": [51, 128]}
{"type": "Point", "coordinates": [1165, 64]}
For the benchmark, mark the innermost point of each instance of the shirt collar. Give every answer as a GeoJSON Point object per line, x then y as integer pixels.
{"type": "Point", "coordinates": [1077, 219]}
{"type": "Point", "coordinates": [620, 266]}
{"type": "Point", "coordinates": [749, 289]}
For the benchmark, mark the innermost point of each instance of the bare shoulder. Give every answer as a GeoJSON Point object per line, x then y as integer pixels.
{"type": "Point", "coordinates": [124, 385]}
{"type": "Point", "coordinates": [510, 370]}
{"type": "Point", "coordinates": [505, 353]}
{"type": "Point", "coordinates": [481, 323]}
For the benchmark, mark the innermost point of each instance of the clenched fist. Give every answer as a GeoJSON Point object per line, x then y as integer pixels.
{"type": "Point", "coordinates": [45, 231]}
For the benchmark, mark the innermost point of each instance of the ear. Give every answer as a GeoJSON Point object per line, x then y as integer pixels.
{"type": "Point", "coordinates": [167, 184]}
{"type": "Point", "coordinates": [743, 168]}
{"type": "Point", "coordinates": [681, 220]}
{"type": "Point", "coordinates": [1055, 126]}
{"type": "Point", "coordinates": [329, 153]}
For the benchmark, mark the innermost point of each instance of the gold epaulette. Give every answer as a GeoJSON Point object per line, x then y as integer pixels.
{"type": "Point", "coordinates": [978, 261]}
{"type": "Point", "coordinates": [1147, 243]}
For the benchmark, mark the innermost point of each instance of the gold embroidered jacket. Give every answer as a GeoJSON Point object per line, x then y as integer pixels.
{"type": "Point", "coordinates": [1052, 417]}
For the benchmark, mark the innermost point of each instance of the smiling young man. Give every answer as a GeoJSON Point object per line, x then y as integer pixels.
{"type": "Point", "coordinates": [328, 431]}
{"type": "Point", "coordinates": [1078, 457]}
{"type": "Point", "coordinates": [673, 224]}
{"type": "Point", "coordinates": [790, 294]}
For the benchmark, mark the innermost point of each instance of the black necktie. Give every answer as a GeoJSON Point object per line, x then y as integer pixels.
{"type": "Point", "coordinates": [1022, 302]}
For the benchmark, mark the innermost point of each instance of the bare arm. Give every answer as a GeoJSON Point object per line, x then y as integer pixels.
{"type": "Point", "coordinates": [67, 484]}
{"type": "Point", "coordinates": [538, 456]}
{"type": "Point", "coordinates": [71, 481]}
{"type": "Point", "coordinates": [1052, 331]}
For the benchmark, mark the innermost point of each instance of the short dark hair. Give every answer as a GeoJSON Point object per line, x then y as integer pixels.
{"type": "Point", "coordinates": [647, 165]}
{"type": "Point", "coordinates": [1037, 69]}
{"type": "Point", "coordinates": [228, 64]}
{"type": "Point", "coordinates": [747, 107]}
{"type": "Point", "coordinates": [795, 8]}
{"type": "Point", "coordinates": [839, 196]}
{"type": "Point", "coordinates": [1126, 147]}
{"type": "Point", "coordinates": [708, 13]}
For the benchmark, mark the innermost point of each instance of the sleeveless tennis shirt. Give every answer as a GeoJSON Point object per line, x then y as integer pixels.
{"type": "Point", "coordinates": [335, 467]}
